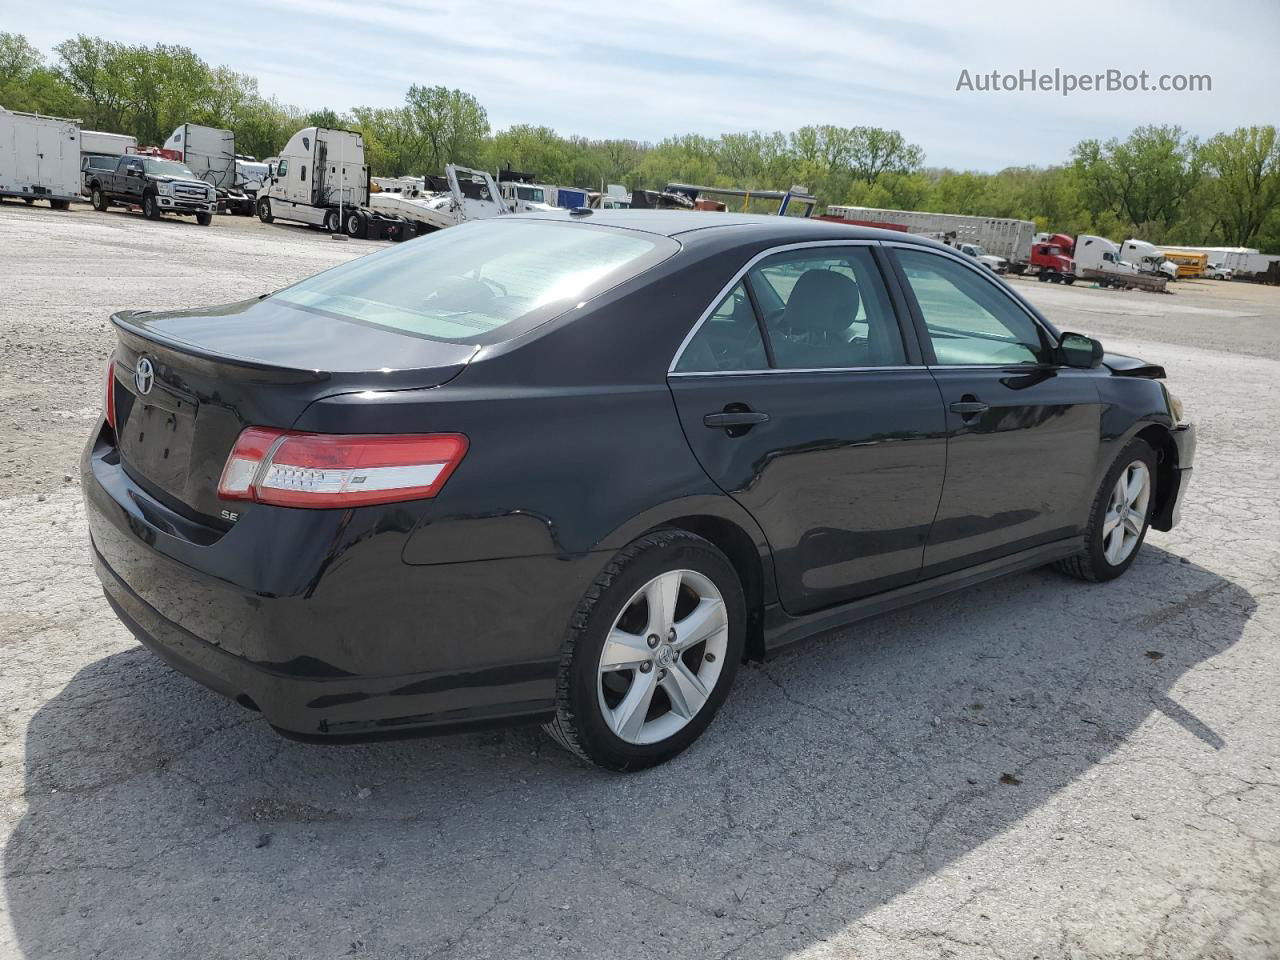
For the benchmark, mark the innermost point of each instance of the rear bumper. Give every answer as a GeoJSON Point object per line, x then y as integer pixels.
{"type": "Point", "coordinates": [315, 620]}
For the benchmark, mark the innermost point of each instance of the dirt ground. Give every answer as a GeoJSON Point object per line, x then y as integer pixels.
{"type": "Point", "coordinates": [1029, 768]}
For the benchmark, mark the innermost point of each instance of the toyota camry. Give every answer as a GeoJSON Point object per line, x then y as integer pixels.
{"type": "Point", "coordinates": [575, 468]}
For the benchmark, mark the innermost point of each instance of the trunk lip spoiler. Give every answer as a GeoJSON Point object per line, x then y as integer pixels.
{"type": "Point", "coordinates": [148, 340]}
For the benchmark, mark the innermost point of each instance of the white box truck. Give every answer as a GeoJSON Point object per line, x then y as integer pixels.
{"type": "Point", "coordinates": [100, 152]}
{"type": "Point", "coordinates": [39, 158]}
{"type": "Point", "coordinates": [1000, 243]}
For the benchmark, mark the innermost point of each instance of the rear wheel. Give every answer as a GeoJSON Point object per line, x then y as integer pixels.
{"type": "Point", "coordinates": [99, 201]}
{"type": "Point", "coordinates": [355, 224]}
{"type": "Point", "coordinates": [651, 653]}
{"type": "Point", "coordinates": [264, 210]}
{"type": "Point", "coordinates": [1068, 280]}
{"type": "Point", "coordinates": [60, 204]}
{"type": "Point", "coordinates": [333, 222]}
{"type": "Point", "coordinates": [1120, 517]}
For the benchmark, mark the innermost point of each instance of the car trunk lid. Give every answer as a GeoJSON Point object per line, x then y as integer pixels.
{"type": "Point", "coordinates": [186, 383]}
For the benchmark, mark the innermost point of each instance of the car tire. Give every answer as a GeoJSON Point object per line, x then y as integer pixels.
{"type": "Point", "coordinates": [150, 208]}
{"type": "Point", "coordinates": [204, 219]}
{"type": "Point", "coordinates": [1068, 280]}
{"type": "Point", "coordinates": [685, 681]}
{"type": "Point", "coordinates": [100, 201]}
{"type": "Point", "coordinates": [264, 210]}
{"type": "Point", "coordinates": [1115, 513]}
{"type": "Point", "coordinates": [332, 222]}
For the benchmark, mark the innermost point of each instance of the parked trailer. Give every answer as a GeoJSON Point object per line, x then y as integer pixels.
{"type": "Point", "coordinates": [1126, 281]}
{"type": "Point", "coordinates": [39, 158]}
{"type": "Point", "coordinates": [210, 153]}
{"type": "Point", "coordinates": [999, 237]}
{"type": "Point", "coordinates": [100, 152]}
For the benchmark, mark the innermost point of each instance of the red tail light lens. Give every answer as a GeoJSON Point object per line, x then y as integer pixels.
{"type": "Point", "coordinates": [111, 394]}
{"type": "Point", "coordinates": [322, 470]}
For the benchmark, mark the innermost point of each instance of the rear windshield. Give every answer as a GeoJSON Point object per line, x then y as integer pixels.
{"type": "Point", "coordinates": [483, 281]}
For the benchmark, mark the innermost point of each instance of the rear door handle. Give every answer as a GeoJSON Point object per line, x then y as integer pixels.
{"type": "Point", "coordinates": [735, 418]}
{"type": "Point", "coordinates": [969, 408]}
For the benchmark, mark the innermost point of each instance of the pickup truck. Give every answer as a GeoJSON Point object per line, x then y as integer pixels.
{"type": "Point", "coordinates": [157, 186]}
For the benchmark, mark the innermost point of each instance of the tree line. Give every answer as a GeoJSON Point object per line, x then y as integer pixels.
{"type": "Point", "coordinates": [1159, 183]}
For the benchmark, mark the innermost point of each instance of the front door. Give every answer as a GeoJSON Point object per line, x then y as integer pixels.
{"type": "Point", "coordinates": [797, 397]}
{"type": "Point", "coordinates": [1022, 431]}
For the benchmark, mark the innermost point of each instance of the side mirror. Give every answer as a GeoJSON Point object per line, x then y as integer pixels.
{"type": "Point", "coordinates": [1077, 350]}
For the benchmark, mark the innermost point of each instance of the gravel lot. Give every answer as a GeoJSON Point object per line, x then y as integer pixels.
{"type": "Point", "coordinates": [1032, 768]}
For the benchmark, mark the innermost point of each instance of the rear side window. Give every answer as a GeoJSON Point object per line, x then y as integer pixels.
{"type": "Point", "coordinates": [482, 281]}
{"type": "Point", "coordinates": [827, 308]}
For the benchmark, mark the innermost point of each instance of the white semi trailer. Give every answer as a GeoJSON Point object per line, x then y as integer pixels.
{"type": "Point", "coordinates": [1000, 243]}
{"type": "Point", "coordinates": [39, 158]}
{"type": "Point", "coordinates": [210, 153]}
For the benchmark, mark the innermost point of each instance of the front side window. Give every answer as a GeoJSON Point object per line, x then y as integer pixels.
{"type": "Point", "coordinates": [282, 168]}
{"type": "Point", "coordinates": [729, 339]}
{"type": "Point", "coordinates": [970, 320]}
{"type": "Point", "coordinates": [827, 308]}
{"type": "Point", "coordinates": [468, 282]}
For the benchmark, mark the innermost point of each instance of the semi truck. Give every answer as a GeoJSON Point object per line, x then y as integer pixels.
{"type": "Point", "coordinates": [999, 238]}
{"type": "Point", "coordinates": [1051, 259]}
{"type": "Point", "coordinates": [1148, 259]}
{"type": "Point", "coordinates": [320, 179]}
{"type": "Point", "coordinates": [39, 158]}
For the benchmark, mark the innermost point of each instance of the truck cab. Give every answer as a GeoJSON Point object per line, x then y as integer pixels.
{"type": "Point", "coordinates": [1148, 259]}
{"type": "Point", "coordinates": [1099, 253]}
{"type": "Point", "coordinates": [320, 179]}
{"type": "Point", "coordinates": [1050, 258]}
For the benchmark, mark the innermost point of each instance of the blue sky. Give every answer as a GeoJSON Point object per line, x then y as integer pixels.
{"type": "Point", "coordinates": [647, 70]}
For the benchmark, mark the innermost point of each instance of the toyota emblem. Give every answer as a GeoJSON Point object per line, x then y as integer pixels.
{"type": "Point", "coordinates": [144, 376]}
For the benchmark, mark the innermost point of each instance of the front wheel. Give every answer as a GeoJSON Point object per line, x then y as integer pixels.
{"type": "Point", "coordinates": [150, 208]}
{"type": "Point", "coordinates": [651, 652]}
{"type": "Point", "coordinates": [1119, 518]}
{"type": "Point", "coordinates": [204, 219]}
{"type": "Point", "coordinates": [264, 210]}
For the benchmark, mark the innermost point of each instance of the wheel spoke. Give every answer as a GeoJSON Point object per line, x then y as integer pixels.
{"type": "Point", "coordinates": [628, 716]}
{"type": "Point", "coordinates": [1109, 523]}
{"type": "Point", "coordinates": [1115, 546]}
{"type": "Point", "coordinates": [1137, 482]}
{"type": "Point", "coordinates": [623, 650]}
{"type": "Point", "coordinates": [684, 690]}
{"type": "Point", "coordinates": [706, 620]}
{"type": "Point", "coordinates": [1132, 525]}
{"type": "Point", "coordinates": [661, 594]}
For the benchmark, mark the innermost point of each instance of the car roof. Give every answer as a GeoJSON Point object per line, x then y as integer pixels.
{"type": "Point", "coordinates": [695, 225]}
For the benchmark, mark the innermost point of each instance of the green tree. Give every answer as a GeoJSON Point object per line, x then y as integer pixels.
{"type": "Point", "coordinates": [1145, 180]}
{"type": "Point", "coordinates": [449, 126]}
{"type": "Point", "coordinates": [1244, 180]}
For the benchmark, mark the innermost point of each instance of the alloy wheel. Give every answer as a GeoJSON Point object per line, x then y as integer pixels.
{"type": "Point", "coordinates": [663, 656]}
{"type": "Point", "coordinates": [1126, 512]}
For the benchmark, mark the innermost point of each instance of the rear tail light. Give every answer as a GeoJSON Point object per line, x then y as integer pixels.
{"type": "Point", "coordinates": [331, 470]}
{"type": "Point", "coordinates": [110, 407]}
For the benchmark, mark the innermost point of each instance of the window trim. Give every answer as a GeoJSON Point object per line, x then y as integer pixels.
{"type": "Point", "coordinates": [888, 279]}
{"type": "Point", "coordinates": [929, 356]}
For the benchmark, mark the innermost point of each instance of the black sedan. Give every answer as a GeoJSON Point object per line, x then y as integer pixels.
{"type": "Point", "coordinates": [574, 469]}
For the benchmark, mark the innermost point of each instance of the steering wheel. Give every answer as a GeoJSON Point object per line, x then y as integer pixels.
{"type": "Point", "coordinates": [495, 284]}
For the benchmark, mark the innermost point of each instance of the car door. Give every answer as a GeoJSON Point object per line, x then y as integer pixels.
{"type": "Point", "coordinates": [131, 180]}
{"type": "Point", "coordinates": [802, 401]}
{"type": "Point", "coordinates": [1022, 430]}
